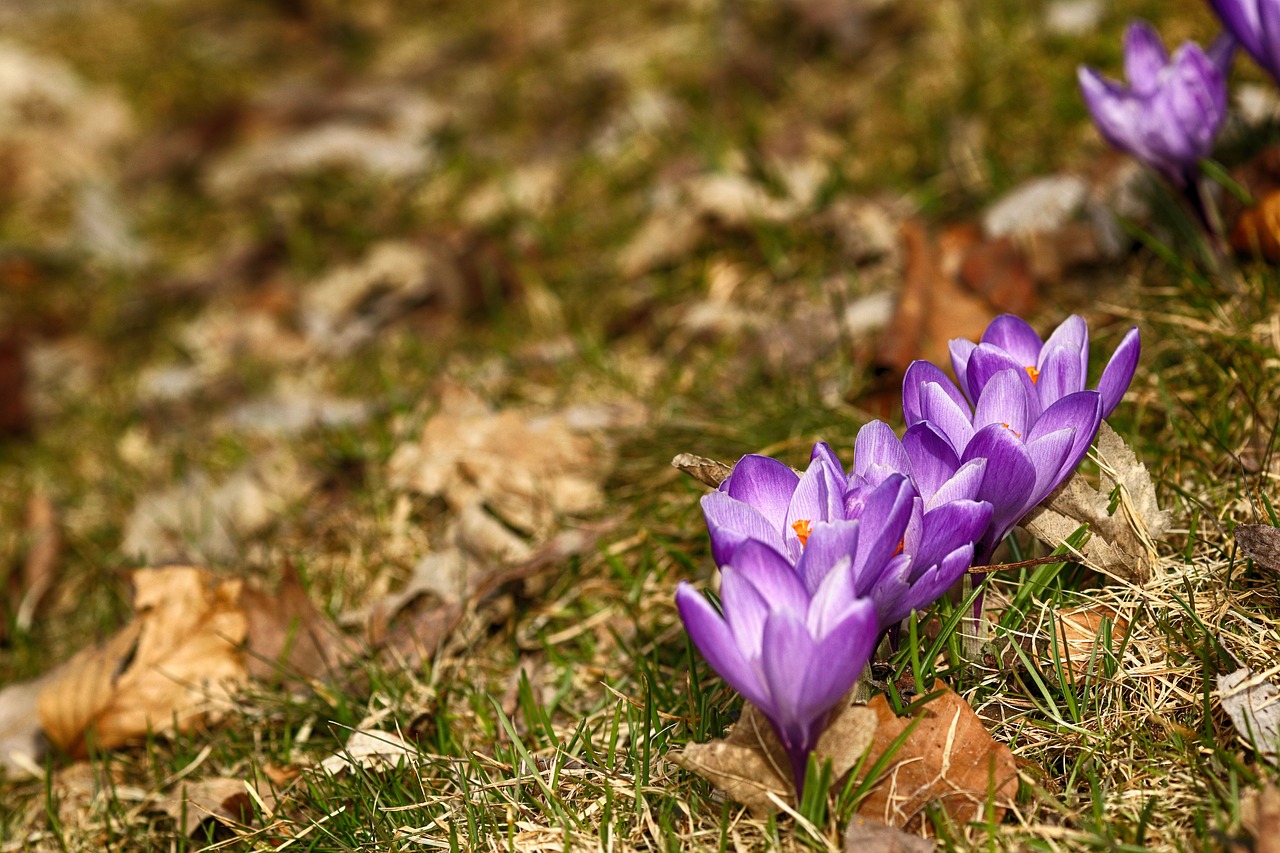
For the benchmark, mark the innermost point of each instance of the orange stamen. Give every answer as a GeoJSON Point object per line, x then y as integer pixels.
{"type": "Point", "coordinates": [1006, 426]}
{"type": "Point", "coordinates": [902, 543]}
{"type": "Point", "coordinates": [1032, 372]}
{"type": "Point", "coordinates": [803, 528]}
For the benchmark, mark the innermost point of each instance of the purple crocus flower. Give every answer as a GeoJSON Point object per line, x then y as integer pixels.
{"type": "Point", "coordinates": [1255, 24]}
{"type": "Point", "coordinates": [1054, 368]}
{"type": "Point", "coordinates": [1028, 452]}
{"type": "Point", "coordinates": [794, 638]}
{"type": "Point", "coordinates": [1170, 113]}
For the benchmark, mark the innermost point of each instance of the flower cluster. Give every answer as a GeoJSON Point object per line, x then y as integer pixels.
{"type": "Point", "coordinates": [817, 567]}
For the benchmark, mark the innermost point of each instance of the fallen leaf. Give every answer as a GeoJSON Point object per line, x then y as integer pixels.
{"type": "Point", "coordinates": [949, 759]}
{"type": "Point", "coordinates": [1080, 645]}
{"type": "Point", "coordinates": [199, 518]}
{"type": "Point", "coordinates": [503, 470]}
{"type": "Point", "coordinates": [371, 749]}
{"type": "Point", "coordinates": [224, 800]}
{"type": "Point", "coordinates": [868, 836]}
{"type": "Point", "coordinates": [286, 636]}
{"type": "Point", "coordinates": [932, 308]}
{"type": "Point", "coordinates": [22, 741]}
{"type": "Point", "coordinates": [15, 414]}
{"type": "Point", "coordinates": [1257, 230]}
{"type": "Point", "coordinates": [292, 410]}
{"type": "Point", "coordinates": [706, 471]}
{"type": "Point", "coordinates": [1122, 544]}
{"type": "Point", "coordinates": [1260, 543]}
{"type": "Point", "coordinates": [1253, 703]}
{"type": "Point", "coordinates": [750, 764]}
{"type": "Point", "coordinates": [173, 666]}
{"type": "Point", "coordinates": [1260, 817]}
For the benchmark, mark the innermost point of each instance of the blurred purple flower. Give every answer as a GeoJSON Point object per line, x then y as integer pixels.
{"type": "Point", "coordinates": [1171, 111]}
{"type": "Point", "coordinates": [1054, 368]}
{"type": "Point", "coordinates": [1255, 24]}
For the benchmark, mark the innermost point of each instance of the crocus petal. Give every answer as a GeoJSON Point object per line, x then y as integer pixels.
{"type": "Point", "coordinates": [822, 451]}
{"type": "Point", "coordinates": [933, 459]}
{"type": "Point", "coordinates": [832, 599]}
{"type": "Point", "coordinates": [1061, 374]}
{"type": "Point", "coordinates": [988, 360]}
{"type": "Point", "coordinates": [877, 445]}
{"type": "Point", "coordinates": [961, 349]}
{"type": "Point", "coordinates": [948, 527]}
{"type": "Point", "coordinates": [934, 581]}
{"type": "Point", "coordinates": [1006, 400]}
{"type": "Point", "coordinates": [819, 497]}
{"type": "Point", "coordinates": [1010, 478]}
{"type": "Point", "coordinates": [884, 521]}
{"type": "Point", "coordinates": [711, 634]}
{"type": "Point", "coordinates": [1197, 97]}
{"type": "Point", "coordinates": [963, 485]}
{"type": "Point", "coordinates": [1118, 373]}
{"type": "Point", "coordinates": [764, 483]}
{"type": "Point", "coordinates": [1241, 19]}
{"type": "Point", "coordinates": [918, 375]}
{"type": "Point", "coordinates": [842, 654]}
{"type": "Point", "coordinates": [1268, 54]}
{"type": "Point", "coordinates": [786, 656]}
{"type": "Point", "coordinates": [771, 574]}
{"type": "Point", "coordinates": [730, 522]}
{"type": "Point", "coordinates": [1051, 455]}
{"type": "Point", "coordinates": [1015, 336]}
{"type": "Point", "coordinates": [953, 420]}
{"type": "Point", "coordinates": [1072, 335]}
{"type": "Point", "coordinates": [1115, 112]}
{"type": "Point", "coordinates": [1222, 52]}
{"type": "Point", "coordinates": [745, 609]}
{"type": "Point", "coordinates": [1081, 412]}
{"type": "Point", "coordinates": [1144, 57]}
{"type": "Point", "coordinates": [829, 543]}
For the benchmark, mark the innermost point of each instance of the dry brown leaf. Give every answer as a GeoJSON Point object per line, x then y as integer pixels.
{"type": "Point", "coordinates": [869, 836]}
{"type": "Point", "coordinates": [949, 759]}
{"type": "Point", "coordinates": [526, 468]}
{"type": "Point", "coordinates": [1080, 639]}
{"type": "Point", "coordinates": [1261, 543]}
{"type": "Point", "coordinates": [171, 666]}
{"type": "Point", "coordinates": [1260, 817]}
{"type": "Point", "coordinates": [221, 799]}
{"type": "Point", "coordinates": [15, 413]}
{"type": "Point", "coordinates": [750, 764]}
{"type": "Point", "coordinates": [932, 308]}
{"type": "Point", "coordinates": [1257, 230]}
{"type": "Point", "coordinates": [1253, 703]}
{"type": "Point", "coordinates": [706, 471]}
{"type": "Point", "coordinates": [1122, 544]}
{"type": "Point", "coordinates": [286, 636]}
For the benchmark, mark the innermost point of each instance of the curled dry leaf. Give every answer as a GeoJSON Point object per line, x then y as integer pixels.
{"type": "Point", "coordinates": [949, 758]}
{"type": "Point", "coordinates": [171, 667]}
{"type": "Point", "coordinates": [224, 800]}
{"type": "Point", "coordinates": [750, 764]}
{"type": "Point", "coordinates": [706, 471]}
{"type": "Point", "coordinates": [1253, 703]}
{"type": "Point", "coordinates": [22, 743]}
{"type": "Point", "coordinates": [286, 636]}
{"type": "Point", "coordinates": [521, 468]}
{"type": "Point", "coordinates": [1260, 817]}
{"type": "Point", "coordinates": [1261, 543]}
{"type": "Point", "coordinates": [1122, 544]}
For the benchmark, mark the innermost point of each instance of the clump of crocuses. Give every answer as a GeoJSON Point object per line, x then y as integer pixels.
{"type": "Point", "coordinates": [817, 567]}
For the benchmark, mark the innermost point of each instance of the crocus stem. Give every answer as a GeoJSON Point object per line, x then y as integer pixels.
{"type": "Point", "coordinates": [894, 632]}
{"type": "Point", "coordinates": [1197, 194]}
